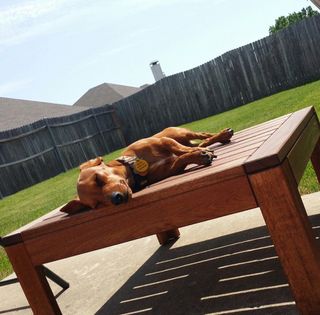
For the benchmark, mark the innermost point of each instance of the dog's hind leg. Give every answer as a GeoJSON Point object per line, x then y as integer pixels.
{"type": "Point", "coordinates": [196, 157]}
{"type": "Point", "coordinates": [175, 147]}
{"type": "Point", "coordinates": [179, 149]}
{"type": "Point", "coordinates": [200, 135]}
{"type": "Point", "coordinates": [208, 138]}
{"type": "Point", "coordinates": [188, 136]}
{"type": "Point", "coordinates": [223, 136]}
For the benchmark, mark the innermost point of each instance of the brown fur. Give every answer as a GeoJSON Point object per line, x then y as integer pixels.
{"type": "Point", "coordinates": [168, 153]}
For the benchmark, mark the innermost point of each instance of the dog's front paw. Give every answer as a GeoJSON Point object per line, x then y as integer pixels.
{"type": "Point", "coordinates": [207, 157]}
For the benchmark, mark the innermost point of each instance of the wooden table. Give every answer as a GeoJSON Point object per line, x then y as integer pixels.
{"type": "Point", "coordinates": [262, 167]}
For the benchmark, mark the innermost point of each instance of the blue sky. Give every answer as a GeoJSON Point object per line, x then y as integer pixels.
{"type": "Point", "coordinates": [55, 50]}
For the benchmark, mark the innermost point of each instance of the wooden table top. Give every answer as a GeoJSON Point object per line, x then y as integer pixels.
{"type": "Point", "coordinates": [250, 150]}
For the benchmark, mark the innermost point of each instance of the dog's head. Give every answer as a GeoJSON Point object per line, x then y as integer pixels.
{"type": "Point", "coordinates": [99, 185]}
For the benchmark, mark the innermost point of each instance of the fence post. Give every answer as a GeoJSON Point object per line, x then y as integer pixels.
{"type": "Point", "coordinates": [1, 195]}
{"type": "Point", "coordinates": [117, 125]}
{"type": "Point", "coordinates": [99, 130]}
{"type": "Point", "coordinates": [55, 145]}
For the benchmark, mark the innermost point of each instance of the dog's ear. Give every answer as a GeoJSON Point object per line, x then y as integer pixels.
{"type": "Point", "coordinates": [94, 162]}
{"type": "Point", "coordinates": [74, 206]}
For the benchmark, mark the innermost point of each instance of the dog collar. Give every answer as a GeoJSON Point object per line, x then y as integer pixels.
{"type": "Point", "coordinates": [139, 169]}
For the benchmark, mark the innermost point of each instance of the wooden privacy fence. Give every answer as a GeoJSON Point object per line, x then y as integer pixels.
{"type": "Point", "coordinates": [38, 151]}
{"type": "Point", "coordinates": [45, 148]}
{"type": "Point", "coordinates": [284, 60]}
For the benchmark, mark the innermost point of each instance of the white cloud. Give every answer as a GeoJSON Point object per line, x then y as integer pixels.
{"type": "Point", "coordinates": [19, 13]}
{"type": "Point", "coordinates": [31, 18]}
{"type": "Point", "coordinates": [21, 21]}
{"type": "Point", "coordinates": [23, 14]}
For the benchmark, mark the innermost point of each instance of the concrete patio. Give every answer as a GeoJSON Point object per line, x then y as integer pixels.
{"type": "Point", "coordinates": [223, 266]}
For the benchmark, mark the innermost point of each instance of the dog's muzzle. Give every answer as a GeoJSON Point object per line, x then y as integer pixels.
{"type": "Point", "coordinates": [118, 198]}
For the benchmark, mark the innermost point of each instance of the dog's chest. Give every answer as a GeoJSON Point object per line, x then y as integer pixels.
{"type": "Point", "coordinates": [162, 162]}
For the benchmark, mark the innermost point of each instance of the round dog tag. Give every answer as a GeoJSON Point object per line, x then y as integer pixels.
{"type": "Point", "coordinates": [141, 167]}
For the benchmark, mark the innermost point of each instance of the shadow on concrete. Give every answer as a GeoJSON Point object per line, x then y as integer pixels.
{"type": "Point", "coordinates": [232, 274]}
{"type": "Point", "coordinates": [17, 309]}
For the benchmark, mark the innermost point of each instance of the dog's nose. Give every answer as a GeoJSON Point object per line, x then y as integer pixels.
{"type": "Point", "coordinates": [117, 198]}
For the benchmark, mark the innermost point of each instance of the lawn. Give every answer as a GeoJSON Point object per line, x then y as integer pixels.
{"type": "Point", "coordinates": [19, 209]}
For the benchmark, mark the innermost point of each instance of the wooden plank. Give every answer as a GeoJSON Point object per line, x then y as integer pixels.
{"type": "Point", "coordinates": [152, 195]}
{"type": "Point", "coordinates": [16, 237]}
{"type": "Point", "coordinates": [78, 140]}
{"type": "Point", "coordinates": [27, 158]}
{"type": "Point", "coordinates": [265, 125]}
{"type": "Point", "coordinates": [199, 204]}
{"type": "Point", "coordinates": [22, 135]}
{"type": "Point", "coordinates": [282, 208]}
{"type": "Point", "coordinates": [32, 281]}
{"type": "Point", "coordinates": [275, 149]}
{"type": "Point", "coordinates": [230, 166]}
{"type": "Point", "coordinates": [234, 144]}
{"type": "Point", "coordinates": [248, 136]}
{"type": "Point", "coordinates": [59, 155]}
{"type": "Point", "coordinates": [300, 154]}
{"type": "Point", "coordinates": [249, 148]}
{"type": "Point", "coordinates": [72, 122]}
{"type": "Point", "coordinates": [240, 157]}
{"type": "Point", "coordinates": [269, 65]}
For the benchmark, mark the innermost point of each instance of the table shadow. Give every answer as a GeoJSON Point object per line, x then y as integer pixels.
{"type": "Point", "coordinates": [232, 274]}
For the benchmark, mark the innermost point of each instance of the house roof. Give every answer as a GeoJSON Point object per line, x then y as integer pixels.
{"type": "Point", "coordinates": [316, 3]}
{"type": "Point", "coordinates": [15, 113]}
{"type": "Point", "coordinates": [106, 93]}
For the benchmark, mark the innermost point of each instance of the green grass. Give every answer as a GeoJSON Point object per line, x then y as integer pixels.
{"type": "Point", "coordinates": [28, 204]}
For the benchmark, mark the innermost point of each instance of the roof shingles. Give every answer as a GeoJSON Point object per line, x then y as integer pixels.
{"type": "Point", "coordinates": [15, 113]}
{"type": "Point", "coordinates": [105, 93]}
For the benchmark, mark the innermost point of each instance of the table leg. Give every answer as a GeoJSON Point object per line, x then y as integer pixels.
{"type": "Point", "coordinates": [33, 281]}
{"type": "Point", "coordinates": [166, 236]}
{"type": "Point", "coordinates": [315, 159]}
{"type": "Point", "coordinates": [281, 205]}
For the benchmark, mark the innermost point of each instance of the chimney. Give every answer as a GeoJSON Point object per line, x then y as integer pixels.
{"type": "Point", "coordinates": [156, 70]}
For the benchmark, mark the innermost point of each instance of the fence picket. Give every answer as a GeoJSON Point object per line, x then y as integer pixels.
{"type": "Point", "coordinates": [278, 62]}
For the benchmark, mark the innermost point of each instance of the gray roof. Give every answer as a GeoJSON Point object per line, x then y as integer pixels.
{"type": "Point", "coordinates": [15, 113]}
{"type": "Point", "coordinates": [106, 93]}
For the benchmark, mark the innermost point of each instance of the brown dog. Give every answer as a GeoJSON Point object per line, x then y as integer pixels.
{"type": "Point", "coordinates": [144, 162]}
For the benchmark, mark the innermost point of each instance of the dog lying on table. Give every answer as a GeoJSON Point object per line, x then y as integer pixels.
{"type": "Point", "coordinates": [143, 163]}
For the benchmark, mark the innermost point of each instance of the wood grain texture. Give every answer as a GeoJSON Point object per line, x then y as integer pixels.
{"type": "Point", "coordinates": [256, 70]}
{"type": "Point", "coordinates": [235, 144]}
{"type": "Point", "coordinates": [249, 135]}
{"type": "Point", "coordinates": [276, 148]}
{"type": "Point", "coordinates": [199, 204]}
{"type": "Point", "coordinates": [178, 185]}
{"type": "Point", "coordinates": [33, 282]}
{"type": "Point", "coordinates": [263, 127]}
{"type": "Point", "coordinates": [38, 151]}
{"type": "Point", "coordinates": [200, 194]}
{"type": "Point", "coordinates": [301, 152]}
{"type": "Point", "coordinates": [282, 208]}
{"type": "Point", "coordinates": [276, 63]}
